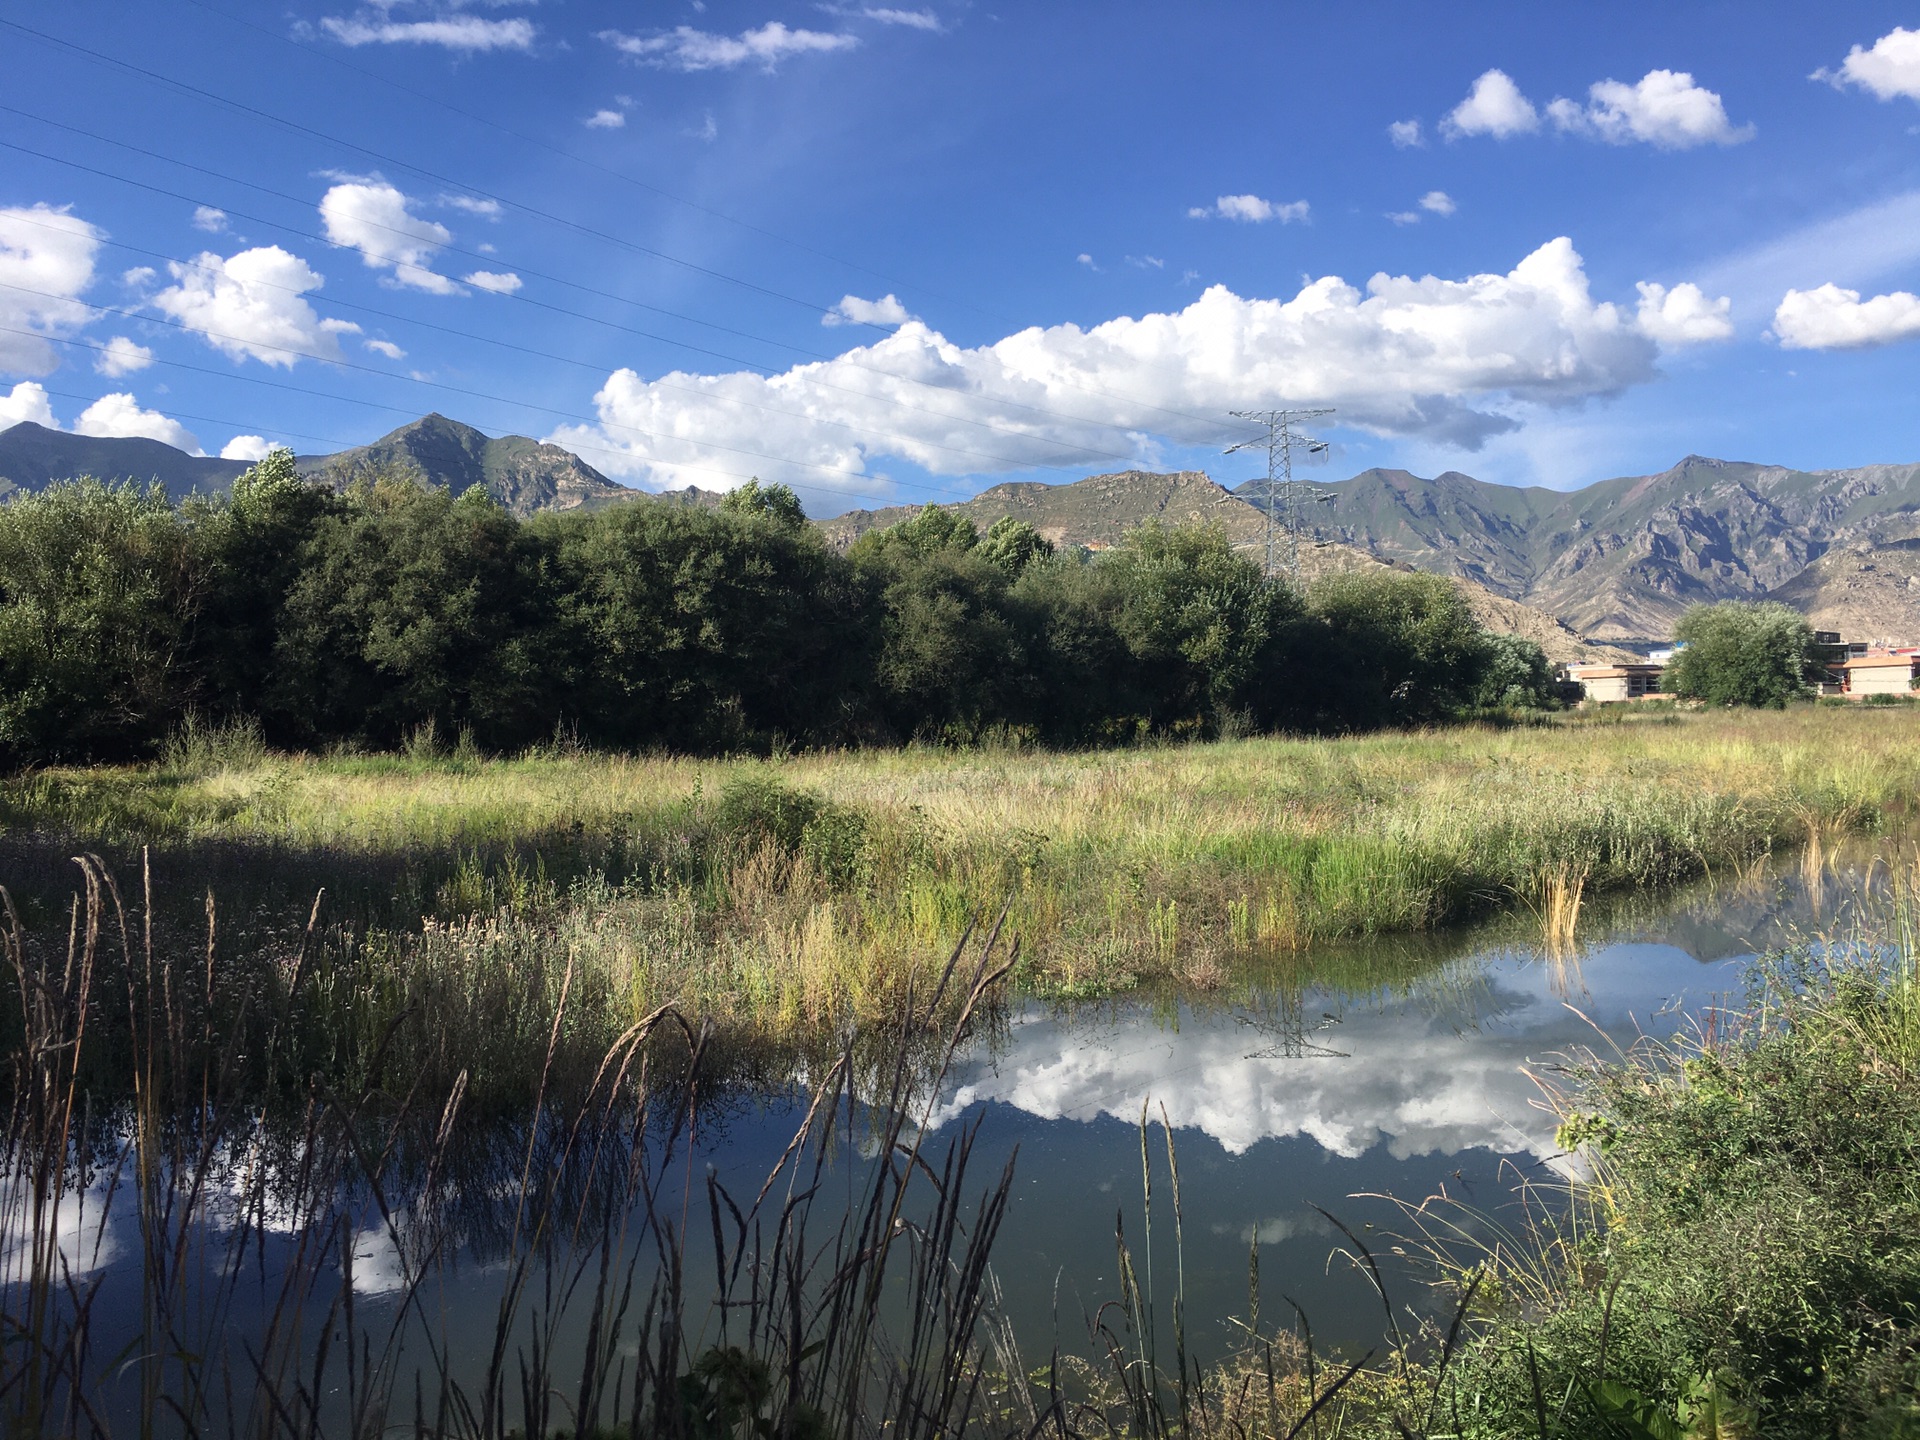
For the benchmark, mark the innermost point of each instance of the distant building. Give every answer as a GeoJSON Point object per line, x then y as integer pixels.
{"type": "Point", "coordinates": [1617, 682]}
{"type": "Point", "coordinates": [1880, 674]}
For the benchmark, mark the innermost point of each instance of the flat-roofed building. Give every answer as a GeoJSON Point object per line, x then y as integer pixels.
{"type": "Point", "coordinates": [1617, 682]}
{"type": "Point", "coordinates": [1880, 674]}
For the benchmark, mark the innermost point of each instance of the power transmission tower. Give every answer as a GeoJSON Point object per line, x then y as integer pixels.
{"type": "Point", "coordinates": [1283, 438]}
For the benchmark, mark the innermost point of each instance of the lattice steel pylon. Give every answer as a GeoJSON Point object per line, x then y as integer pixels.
{"type": "Point", "coordinates": [1283, 438]}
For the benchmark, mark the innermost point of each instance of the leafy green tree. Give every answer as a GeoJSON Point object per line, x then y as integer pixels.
{"type": "Point", "coordinates": [931, 531]}
{"type": "Point", "coordinates": [953, 659]}
{"type": "Point", "coordinates": [1013, 545]}
{"type": "Point", "coordinates": [1737, 653]}
{"type": "Point", "coordinates": [1087, 687]}
{"type": "Point", "coordinates": [253, 545]}
{"type": "Point", "coordinates": [414, 607]}
{"type": "Point", "coordinates": [711, 631]}
{"type": "Point", "coordinates": [776, 502]}
{"type": "Point", "coordinates": [99, 594]}
{"type": "Point", "coordinates": [1208, 633]}
{"type": "Point", "coordinates": [1397, 648]}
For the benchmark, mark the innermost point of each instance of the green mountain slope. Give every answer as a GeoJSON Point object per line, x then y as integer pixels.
{"type": "Point", "coordinates": [32, 456]}
{"type": "Point", "coordinates": [523, 475]}
{"type": "Point", "coordinates": [1098, 511]}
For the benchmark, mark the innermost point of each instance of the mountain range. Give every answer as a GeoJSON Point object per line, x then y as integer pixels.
{"type": "Point", "coordinates": [1622, 559]}
{"type": "Point", "coordinates": [523, 475]}
{"type": "Point", "coordinates": [1098, 511]}
{"type": "Point", "coordinates": [1614, 563]}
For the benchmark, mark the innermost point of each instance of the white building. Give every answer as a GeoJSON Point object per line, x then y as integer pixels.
{"type": "Point", "coordinates": [1880, 674]}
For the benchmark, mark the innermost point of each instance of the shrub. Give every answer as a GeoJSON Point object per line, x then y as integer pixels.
{"type": "Point", "coordinates": [99, 589]}
{"type": "Point", "coordinates": [757, 809]}
{"type": "Point", "coordinates": [777, 503]}
{"type": "Point", "coordinates": [1761, 1220]}
{"type": "Point", "coordinates": [1515, 675]}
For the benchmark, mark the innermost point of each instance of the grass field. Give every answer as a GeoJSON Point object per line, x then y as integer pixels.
{"type": "Point", "coordinates": [812, 889]}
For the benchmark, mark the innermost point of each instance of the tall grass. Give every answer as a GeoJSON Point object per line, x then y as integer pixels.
{"type": "Point", "coordinates": [809, 890]}
{"type": "Point", "coordinates": [246, 1221]}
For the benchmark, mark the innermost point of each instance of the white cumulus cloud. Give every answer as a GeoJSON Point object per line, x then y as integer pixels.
{"type": "Point", "coordinates": [372, 217]}
{"type": "Point", "coordinates": [250, 448]}
{"type": "Point", "coordinates": [852, 310]}
{"type": "Point", "coordinates": [47, 252]}
{"type": "Point", "coordinates": [685, 48]}
{"type": "Point", "coordinates": [27, 402]}
{"type": "Point", "coordinates": [605, 120]}
{"type": "Point", "coordinates": [1406, 135]}
{"type": "Point", "coordinates": [1251, 209]}
{"type": "Point", "coordinates": [119, 415]}
{"type": "Point", "coordinates": [496, 282]}
{"type": "Point", "coordinates": [252, 306]}
{"type": "Point", "coordinates": [1438, 202]}
{"type": "Point", "coordinates": [468, 34]}
{"type": "Point", "coordinates": [913, 19]}
{"type": "Point", "coordinates": [1829, 318]}
{"type": "Point", "coordinates": [1891, 68]}
{"type": "Point", "coordinates": [1451, 361]}
{"type": "Point", "coordinates": [207, 218]}
{"type": "Point", "coordinates": [1684, 315]}
{"type": "Point", "coordinates": [474, 205]}
{"type": "Point", "coordinates": [386, 348]}
{"type": "Point", "coordinates": [1665, 109]}
{"type": "Point", "coordinates": [122, 357]}
{"type": "Point", "coordinates": [1493, 107]}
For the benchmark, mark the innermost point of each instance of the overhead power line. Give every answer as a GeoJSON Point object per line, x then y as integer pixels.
{"type": "Point", "coordinates": [296, 127]}
{"type": "Point", "coordinates": [239, 425]}
{"type": "Point", "coordinates": [321, 53]}
{"type": "Point", "coordinates": [998, 461]}
{"type": "Point", "coordinates": [837, 491]}
{"type": "Point", "coordinates": [536, 212]}
{"type": "Point", "coordinates": [600, 320]}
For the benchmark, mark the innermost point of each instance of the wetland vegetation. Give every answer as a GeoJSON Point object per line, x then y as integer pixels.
{"type": "Point", "coordinates": [810, 890]}
{"type": "Point", "coordinates": [524, 977]}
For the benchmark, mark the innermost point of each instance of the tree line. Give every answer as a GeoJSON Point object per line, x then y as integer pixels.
{"type": "Point", "coordinates": [370, 615]}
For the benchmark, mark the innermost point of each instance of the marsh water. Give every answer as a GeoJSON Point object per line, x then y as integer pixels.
{"type": "Point", "coordinates": [1303, 1089]}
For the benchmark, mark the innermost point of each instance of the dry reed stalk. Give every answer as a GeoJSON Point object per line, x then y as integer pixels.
{"type": "Point", "coordinates": [1562, 887]}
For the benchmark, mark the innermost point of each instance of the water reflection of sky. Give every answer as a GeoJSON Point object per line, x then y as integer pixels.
{"type": "Point", "coordinates": [1414, 1077]}
{"type": "Point", "coordinates": [1286, 1104]}
{"type": "Point", "coordinates": [1283, 1103]}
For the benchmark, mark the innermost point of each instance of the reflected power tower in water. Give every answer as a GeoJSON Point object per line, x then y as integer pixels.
{"type": "Point", "coordinates": [1283, 438]}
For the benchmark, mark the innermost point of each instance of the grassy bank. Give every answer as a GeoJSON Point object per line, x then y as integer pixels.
{"type": "Point", "coordinates": [812, 890]}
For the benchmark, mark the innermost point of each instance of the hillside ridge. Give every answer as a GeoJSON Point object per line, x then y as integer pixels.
{"type": "Point", "coordinates": [1098, 511]}
{"type": "Point", "coordinates": [526, 476]}
{"type": "Point", "coordinates": [1622, 559]}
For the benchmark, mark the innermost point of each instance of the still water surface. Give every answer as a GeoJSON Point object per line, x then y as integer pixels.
{"type": "Point", "coordinates": [1297, 1093]}
{"type": "Point", "coordinates": [1396, 1068]}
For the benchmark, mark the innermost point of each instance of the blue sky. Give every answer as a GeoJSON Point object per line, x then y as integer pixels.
{"type": "Point", "coordinates": [891, 253]}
